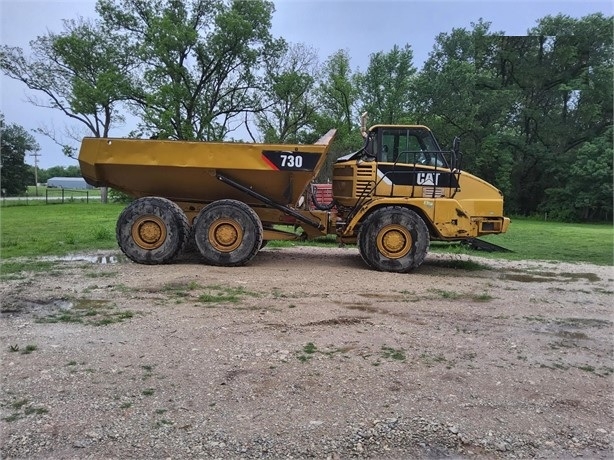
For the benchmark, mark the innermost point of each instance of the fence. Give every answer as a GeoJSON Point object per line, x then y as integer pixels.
{"type": "Point", "coordinates": [54, 196]}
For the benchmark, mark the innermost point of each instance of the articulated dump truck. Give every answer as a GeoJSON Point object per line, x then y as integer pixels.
{"type": "Point", "coordinates": [391, 198]}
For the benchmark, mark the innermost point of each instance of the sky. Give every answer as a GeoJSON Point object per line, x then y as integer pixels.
{"type": "Point", "coordinates": [362, 27]}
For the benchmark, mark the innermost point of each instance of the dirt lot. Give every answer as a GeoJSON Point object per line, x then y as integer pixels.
{"type": "Point", "coordinates": [306, 353]}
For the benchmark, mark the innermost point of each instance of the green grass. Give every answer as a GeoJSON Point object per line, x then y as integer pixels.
{"type": "Point", "coordinates": [559, 241]}
{"type": "Point", "coordinates": [217, 294]}
{"type": "Point", "coordinates": [15, 267]}
{"type": "Point", "coordinates": [88, 311]}
{"type": "Point", "coordinates": [29, 349]}
{"type": "Point", "coordinates": [36, 230]}
{"type": "Point", "coordinates": [60, 229]}
{"type": "Point", "coordinates": [307, 352]}
{"type": "Point", "coordinates": [555, 241]}
{"type": "Point", "coordinates": [391, 353]}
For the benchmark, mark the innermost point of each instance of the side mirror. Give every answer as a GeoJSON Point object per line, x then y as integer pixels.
{"type": "Point", "coordinates": [456, 145]}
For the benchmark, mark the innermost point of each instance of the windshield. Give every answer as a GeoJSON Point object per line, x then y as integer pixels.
{"type": "Point", "coordinates": [409, 145]}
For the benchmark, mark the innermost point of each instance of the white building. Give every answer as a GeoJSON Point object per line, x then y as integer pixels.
{"type": "Point", "coordinates": [74, 183]}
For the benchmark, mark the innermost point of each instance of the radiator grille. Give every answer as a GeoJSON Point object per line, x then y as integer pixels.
{"type": "Point", "coordinates": [364, 180]}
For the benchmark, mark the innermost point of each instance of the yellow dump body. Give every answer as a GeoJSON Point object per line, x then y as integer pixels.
{"type": "Point", "coordinates": [187, 171]}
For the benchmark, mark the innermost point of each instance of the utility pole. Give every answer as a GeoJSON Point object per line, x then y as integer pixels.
{"type": "Point", "coordinates": [35, 155]}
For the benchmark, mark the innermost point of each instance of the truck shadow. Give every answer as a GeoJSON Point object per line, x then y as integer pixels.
{"type": "Point", "coordinates": [298, 257]}
{"type": "Point", "coordinates": [306, 259]}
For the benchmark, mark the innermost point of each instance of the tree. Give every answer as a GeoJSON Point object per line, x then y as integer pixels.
{"type": "Point", "coordinates": [386, 87]}
{"type": "Point", "coordinates": [559, 77]}
{"type": "Point", "coordinates": [567, 109]}
{"type": "Point", "coordinates": [337, 101]}
{"type": "Point", "coordinates": [83, 72]}
{"type": "Point", "coordinates": [338, 93]}
{"type": "Point", "coordinates": [587, 194]}
{"type": "Point", "coordinates": [15, 142]}
{"type": "Point", "coordinates": [288, 97]}
{"type": "Point", "coordinates": [198, 61]}
{"type": "Point", "coordinates": [525, 107]}
{"type": "Point", "coordinates": [453, 100]}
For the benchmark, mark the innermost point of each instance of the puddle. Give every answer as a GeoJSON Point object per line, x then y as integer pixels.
{"type": "Point", "coordinates": [364, 308]}
{"type": "Point", "coordinates": [384, 297]}
{"type": "Point", "coordinates": [526, 278]}
{"type": "Point", "coordinates": [42, 308]}
{"type": "Point", "coordinates": [340, 321]}
{"type": "Point", "coordinates": [583, 322]}
{"type": "Point", "coordinates": [566, 335]}
{"type": "Point", "coordinates": [544, 277]}
{"type": "Point", "coordinates": [94, 259]}
{"type": "Point", "coordinates": [587, 276]}
{"type": "Point", "coordinates": [23, 306]}
{"type": "Point", "coordinates": [571, 335]}
{"type": "Point", "coordinates": [564, 328]}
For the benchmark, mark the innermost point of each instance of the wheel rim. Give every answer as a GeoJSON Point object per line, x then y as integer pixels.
{"type": "Point", "coordinates": [394, 241]}
{"type": "Point", "coordinates": [225, 235]}
{"type": "Point", "coordinates": [149, 232]}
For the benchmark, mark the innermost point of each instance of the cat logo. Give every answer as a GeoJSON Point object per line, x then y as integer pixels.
{"type": "Point", "coordinates": [428, 178]}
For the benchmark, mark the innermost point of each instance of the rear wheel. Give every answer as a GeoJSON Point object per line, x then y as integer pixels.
{"type": "Point", "coordinates": [152, 230]}
{"type": "Point", "coordinates": [393, 239]}
{"type": "Point", "coordinates": [228, 233]}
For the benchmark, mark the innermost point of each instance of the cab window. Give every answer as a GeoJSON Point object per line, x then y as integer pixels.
{"type": "Point", "coordinates": [409, 145]}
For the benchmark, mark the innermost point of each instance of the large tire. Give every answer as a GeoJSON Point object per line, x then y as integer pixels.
{"type": "Point", "coordinates": [393, 239]}
{"type": "Point", "coordinates": [152, 230]}
{"type": "Point", "coordinates": [228, 233]}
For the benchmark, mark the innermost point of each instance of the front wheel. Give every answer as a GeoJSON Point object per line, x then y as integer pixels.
{"type": "Point", "coordinates": [393, 239]}
{"type": "Point", "coordinates": [152, 230]}
{"type": "Point", "coordinates": [228, 233]}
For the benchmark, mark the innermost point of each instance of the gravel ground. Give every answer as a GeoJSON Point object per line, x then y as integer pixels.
{"type": "Point", "coordinates": [305, 353]}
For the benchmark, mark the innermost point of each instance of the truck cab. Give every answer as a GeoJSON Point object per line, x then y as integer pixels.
{"type": "Point", "coordinates": [401, 188]}
{"type": "Point", "coordinates": [405, 145]}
